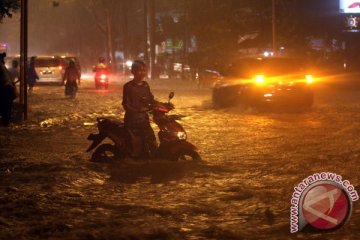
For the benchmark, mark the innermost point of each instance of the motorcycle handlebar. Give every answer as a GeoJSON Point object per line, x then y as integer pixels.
{"type": "Point", "coordinates": [176, 116]}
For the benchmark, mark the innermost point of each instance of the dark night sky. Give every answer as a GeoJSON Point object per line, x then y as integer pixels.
{"type": "Point", "coordinates": [322, 16]}
{"type": "Point", "coordinates": [317, 16]}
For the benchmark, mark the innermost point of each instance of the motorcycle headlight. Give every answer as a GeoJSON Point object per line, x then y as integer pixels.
{"type": "Point", "coordinates": [181, 135]}
{"type": "Point", "coordinates": [103, 76]}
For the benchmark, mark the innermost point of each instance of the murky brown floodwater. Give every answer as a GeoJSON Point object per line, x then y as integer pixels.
{"type": "Point", "coordinates": [242, 190]}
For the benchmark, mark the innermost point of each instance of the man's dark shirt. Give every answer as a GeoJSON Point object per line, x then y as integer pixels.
{"type": "Point", "coordinates": [136, 96]}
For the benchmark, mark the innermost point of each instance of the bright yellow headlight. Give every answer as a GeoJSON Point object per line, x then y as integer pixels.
{"type": "Point", "coordinates": [260, 79]}
{"type": "Point", "coordinates": [309, 79]}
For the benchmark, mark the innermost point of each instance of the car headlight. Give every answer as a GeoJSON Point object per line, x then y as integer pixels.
{"type": "Point", "coordinates": [181, 135]}
{"type": "Point", "coordinates": [309, 79]}
{"type": "Point", "coordinates": [260, 79]}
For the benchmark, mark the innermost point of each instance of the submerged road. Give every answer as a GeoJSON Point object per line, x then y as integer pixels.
{"type": "Point", "coordinates": [242, 190]}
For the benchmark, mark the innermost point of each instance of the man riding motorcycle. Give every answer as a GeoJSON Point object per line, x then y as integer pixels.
{"type": "Point", "coordinates": [136, 98]}
{"type": "Point", "coordinates": [134, 137]}
{"type": "Point", "coordinates": [101, 74]}
{"type": "Point", "coordinates": [101, 66]}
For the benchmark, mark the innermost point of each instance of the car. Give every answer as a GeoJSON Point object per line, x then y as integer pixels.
{"type": "Point", "coordinates": [49, 69]}
{"type": "Point", "coordinates": [206, 78]}
{"type": "Point", "coordinates": [265, 82]}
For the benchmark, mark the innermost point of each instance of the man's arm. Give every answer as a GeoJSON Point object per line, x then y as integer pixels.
{"type": "Point", "coordinates": [126, 102]}
{"type": "Point", "coordinates": [150, 93]}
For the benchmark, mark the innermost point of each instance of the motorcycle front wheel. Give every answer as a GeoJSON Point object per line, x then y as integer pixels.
{"type": "Point", "coordinates": [187, 155]}
{"type": "Point", "coordinates": [105, 153]}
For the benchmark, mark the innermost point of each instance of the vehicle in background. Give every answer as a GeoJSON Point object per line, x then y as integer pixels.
{"type": "Point", "coordinates": [180, 71]}
{"type": "Point", "coordinates": [49, 69]}
{"type": "Point", "coordinates": [207, 78]}
{"type": "Point", "coordinates": [101, 78]}
{"type": "Point", "coordinates": [264, 83]}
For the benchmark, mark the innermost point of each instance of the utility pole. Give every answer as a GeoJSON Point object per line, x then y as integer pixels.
{"type": "Point", "coordinates": [146, 33]}
{"type": "Point", "coordinates": [125, 10]}
{"type": "Point", "coordinates": [152, 37]}
{"type": "Point", "coordinates": [186, 37]}
{"type": "Point", "coordinates": [274, 45]}
{"type": "Point", "coordinates": [23, 56]}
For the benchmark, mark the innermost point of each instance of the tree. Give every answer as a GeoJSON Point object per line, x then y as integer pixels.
{"type": "Point", "coordinates": [8, 7]}
{"type": "Point", "coordinates": [112, 18]}
{"type": "Point", "coordinates": [104, 12]}
{"type": "Point", "coordinates": [218, 25]}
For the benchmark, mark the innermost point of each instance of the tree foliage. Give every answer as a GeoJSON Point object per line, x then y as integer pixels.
{"type": "Point", "coordinates": [104, 12]}
{"type": "Point", "coordinates": [8, 7]}
{"type": "Point", "coordinates": [220, 26]}
{"type": "Point", "coordinates": [111, 17]}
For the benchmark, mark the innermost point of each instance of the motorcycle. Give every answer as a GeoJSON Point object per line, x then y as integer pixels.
{"type": "Point", "coordinates": [101, 78]}
{"type": "Point", "coordinates": [127, 144]}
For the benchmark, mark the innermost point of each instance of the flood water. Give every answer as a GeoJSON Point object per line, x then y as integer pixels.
{"type": "Point", "coordinates": [242, 190]}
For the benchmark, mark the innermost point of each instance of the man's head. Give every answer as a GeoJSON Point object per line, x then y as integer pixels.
{"type": "Point", "coordinates": [101, 60]}
{"type": "Point", "coordinates": [71, 63]}
{"type": "Point", "coordinates": [32, 60]}
{"type": "Point", "coordinates": [138, 69]}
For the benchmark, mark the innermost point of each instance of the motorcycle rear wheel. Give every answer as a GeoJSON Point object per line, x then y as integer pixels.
{"type": "Point", "coordinates": [187, 155]}
{"type": "Point", "coordinates": [105, 153]}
